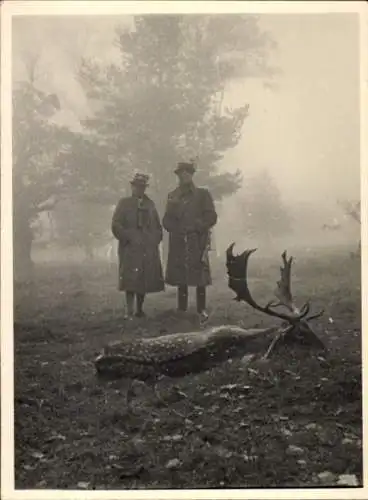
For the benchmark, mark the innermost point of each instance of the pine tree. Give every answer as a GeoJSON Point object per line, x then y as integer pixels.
{"type": "Point", "coordinates": [163, 102]}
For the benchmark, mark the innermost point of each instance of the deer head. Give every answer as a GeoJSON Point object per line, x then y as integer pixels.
{"type": "Point", "coordinates": [237, 269]}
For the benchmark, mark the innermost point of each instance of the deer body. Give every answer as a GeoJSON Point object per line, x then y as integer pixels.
{"type": "Point", "coordinates": [180, 354]}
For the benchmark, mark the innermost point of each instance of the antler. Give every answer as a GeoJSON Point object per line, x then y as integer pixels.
{"type": "Point", "coordinates": [283, 291]}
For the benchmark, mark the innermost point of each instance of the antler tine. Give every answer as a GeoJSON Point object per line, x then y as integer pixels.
{"type": "Point", "coordinates": [283, 290]}
{"type": "Point", "coordinates": [247, 297]}
{"type": "Point", "coordinates": [304, 310]}
{"type": "Point", "coordinates": [315, 316]}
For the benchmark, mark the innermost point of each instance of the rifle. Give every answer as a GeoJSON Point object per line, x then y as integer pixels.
{"type": "Point", "coordinates": [206, 249]}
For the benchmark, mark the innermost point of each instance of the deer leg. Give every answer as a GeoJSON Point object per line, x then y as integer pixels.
{"type": "Point", "coordinates": [276, 339]}
{"type": "Point", "coordinates": [163, 402]}
{"type": "Point", "coordinates": [271, 346]}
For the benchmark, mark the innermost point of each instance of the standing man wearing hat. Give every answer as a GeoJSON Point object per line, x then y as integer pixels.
{"type": "Point", "coordinates": [136, 225]}
{"type": "Point", "coordinates": [189, 216]}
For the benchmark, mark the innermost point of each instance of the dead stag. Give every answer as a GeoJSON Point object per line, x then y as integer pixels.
{"type": "Point", "coordinates": [176, 355]}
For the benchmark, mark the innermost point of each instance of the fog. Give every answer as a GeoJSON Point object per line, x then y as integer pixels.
{"type": "Point", "coordinates": [304, 130]}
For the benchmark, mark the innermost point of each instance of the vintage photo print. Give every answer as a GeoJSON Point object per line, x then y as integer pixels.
{"type": "Point", "coordinates": [183, 249]}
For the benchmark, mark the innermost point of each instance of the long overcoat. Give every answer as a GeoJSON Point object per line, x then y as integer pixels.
{"type": "Point", "coordinates": [189, 216]}
{"type": "Point", "coordinates": [137, 227]}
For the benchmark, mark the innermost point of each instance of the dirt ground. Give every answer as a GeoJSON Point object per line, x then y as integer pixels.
{"type": "Point", "coordinates": [284, 423]}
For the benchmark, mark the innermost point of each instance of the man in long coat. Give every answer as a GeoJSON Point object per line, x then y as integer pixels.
{"type": "Point", "coordinates": [137, 227]}
{"type": "Point", "coordinates": [190, 214]}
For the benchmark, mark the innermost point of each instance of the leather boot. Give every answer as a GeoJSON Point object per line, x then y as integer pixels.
{"type": "Point", "coordinates": [201, 299]}
{"type": "Point", "coordinates": [129, 296]}
{"type": "Point", "coordinates": [140, 300]}
{"type": "Point", "coordinates": [182, 298]}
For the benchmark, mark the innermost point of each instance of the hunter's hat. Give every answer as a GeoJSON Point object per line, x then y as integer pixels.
{"type": "Point", "coordinates": [185, 166]}
{"type": "Point", "coordinates": [140, 179]}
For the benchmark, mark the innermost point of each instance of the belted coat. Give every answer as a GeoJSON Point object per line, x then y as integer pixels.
{"type": "Point", "coordinates": [136, 225]}
{"type": "Point", "coordinates": [189, 216]}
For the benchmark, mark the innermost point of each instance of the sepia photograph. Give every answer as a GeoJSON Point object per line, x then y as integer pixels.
{"type": "Point", "coordinates": [186, 243]}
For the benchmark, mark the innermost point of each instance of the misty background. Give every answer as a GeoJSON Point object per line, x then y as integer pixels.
{"type": "Point", "coordinates": [298, 144]}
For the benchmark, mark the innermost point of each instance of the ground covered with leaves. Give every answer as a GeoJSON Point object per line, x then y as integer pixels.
{"type": "Point", "coordinates": [287, 422]}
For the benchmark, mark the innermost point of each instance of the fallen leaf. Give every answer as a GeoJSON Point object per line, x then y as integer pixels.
{"type": "Point", "coordinates": [37, 454]}
{"type": "Point", "coordinates": [83, 485]}
{"type": "Point", "coordinates": [286, 432]}
{"type": "Point", "coordinates": [294, 450]}
{"type": "Point", "coordinates": [302, 462]}
{"type": "Point", "coordinates": [55, 437]}
{"type": "Point", "coordinates": [174, 463]}
{"type": "Point", "coordinates": [238, 409]}
{"type": "Point", "coordinates": [321, 358]}
{"type": "Point", "coordinates": [289, 372]}
{"type": "Point", "coordinates": [311, 426]}
{"type": "Point", "coordinates": [228, 387]}
{"type": "Point", "coordinates": [348, 480]}
{"type": "Point", "coordinates": [327, 477]}
{"type": "Point", "coordinates": [175, 437]}
{"type": "Point", "coordinates": [116, 466]}
{"type": "Point", "coordinates": [247, 358]}
{"type": "Point", "coordinates": [222, 452]}
{"type": "Point", "coordinates": [28, 467]}
{"type": "Point", "coordinates": [347, 441]}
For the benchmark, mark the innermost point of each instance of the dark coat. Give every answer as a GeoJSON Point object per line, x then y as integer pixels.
{"type": "Point", "coordinates": [139, 232]}
{"type": "Point", "coordinates": [189, 216]}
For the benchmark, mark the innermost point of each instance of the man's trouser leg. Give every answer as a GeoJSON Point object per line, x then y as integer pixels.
{"type": "Point", "coordinates": [140, 302]}
{"type": "Point", "coordinates": [182, 298]}
{"type": "Point", "coordinates": [201, 299]}
{"type": "Point", "coordinates": [129, 297]}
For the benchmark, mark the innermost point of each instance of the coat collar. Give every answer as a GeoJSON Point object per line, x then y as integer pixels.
{"type": "Point", "coordinates": [188, 188]}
